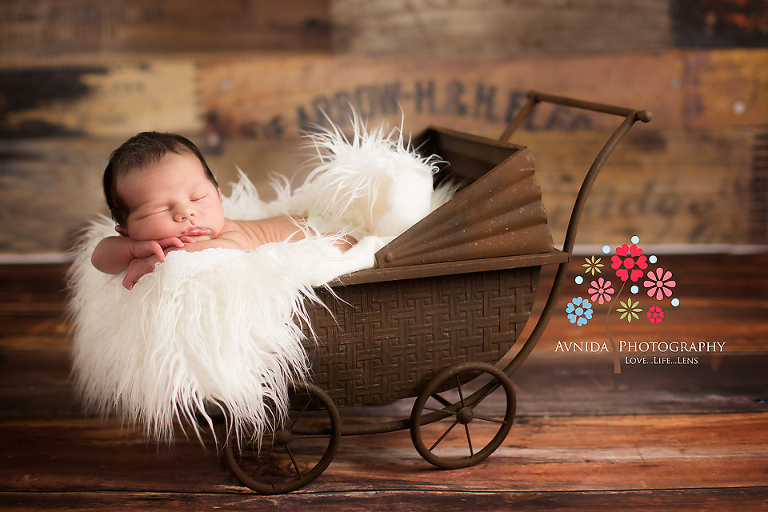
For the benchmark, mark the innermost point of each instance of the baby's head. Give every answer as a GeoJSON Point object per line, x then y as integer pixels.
{"type": "Point", "coordinates": [138, 153]}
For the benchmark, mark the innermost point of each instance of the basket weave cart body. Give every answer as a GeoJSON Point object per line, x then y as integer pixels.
{"type": "Point", "coordinates": [382, 341]}
{"type": "Point", "coordinates": [447, 301]}
{"type": "Point", "coordinates": [456, 287]}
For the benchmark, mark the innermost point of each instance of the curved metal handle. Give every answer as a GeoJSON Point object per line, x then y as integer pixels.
{"type": "Point", "coordinates": [535, 97]}
{"type": "Point", "coordinates": [630, 117]}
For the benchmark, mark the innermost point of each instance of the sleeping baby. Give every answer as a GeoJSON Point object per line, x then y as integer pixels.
{"type": "Point", "coordinates": [164, 197]}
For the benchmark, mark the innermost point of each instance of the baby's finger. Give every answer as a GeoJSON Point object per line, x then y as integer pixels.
{"type": "Point", "coordinates": [187, 240]}
{"type": "Point", "coordinates": [127, 283]}
{"type": "Point", "coordinates": [157, 249]}
{"type": "Point", "coordinates": [171, 242]}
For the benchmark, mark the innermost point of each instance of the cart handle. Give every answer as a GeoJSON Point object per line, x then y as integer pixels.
{"type": "Point", "coordinates": [630, 117]}
{"type": "Point", "coordinates": [535, 97]}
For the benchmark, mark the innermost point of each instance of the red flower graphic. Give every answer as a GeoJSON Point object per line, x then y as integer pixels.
{"type": "Point", "coordinates": [655, 314]}
{"type": "Point", "coordinates": [659, 284]}
{"type": "Point", "coordinates": [601, 291]}
{"type": "Point", "coordinates": [629, 262]}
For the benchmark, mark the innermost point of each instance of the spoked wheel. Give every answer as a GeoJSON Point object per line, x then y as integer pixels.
{"type": "Point", "coordinates": [292, 456]}
{"type": "Point", "coordinates": [459, 428]}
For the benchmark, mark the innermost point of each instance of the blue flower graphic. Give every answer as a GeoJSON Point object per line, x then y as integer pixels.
{"type": "Point", "coordinates": [579, 311]}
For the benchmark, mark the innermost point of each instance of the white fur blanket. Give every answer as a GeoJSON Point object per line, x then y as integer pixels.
{"type": "Point", "coordinates": [218, 326]}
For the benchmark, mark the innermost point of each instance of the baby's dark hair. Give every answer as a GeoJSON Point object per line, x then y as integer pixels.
{"type": "Point", "coordinates": [137, 152]}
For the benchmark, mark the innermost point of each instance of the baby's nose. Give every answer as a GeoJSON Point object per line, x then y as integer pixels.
{"type": "Point", "coordinates": [183, 212]}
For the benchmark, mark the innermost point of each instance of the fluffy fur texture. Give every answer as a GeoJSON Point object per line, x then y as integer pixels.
{"type": "Point", "coordinates": [218, 326]}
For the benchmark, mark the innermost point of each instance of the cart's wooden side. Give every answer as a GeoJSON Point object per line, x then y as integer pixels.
{"type": "Point", "coordinates": [381, 334]}
{"type": "Point", "coordinates": [380, 342]}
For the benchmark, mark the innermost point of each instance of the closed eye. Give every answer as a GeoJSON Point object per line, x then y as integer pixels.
{"type": "Point", "coordinates": [198, 198]}
{"type": "Point", "coordinates": [161, 211]}
{"type": "Point", "coordinates": [155, 212]}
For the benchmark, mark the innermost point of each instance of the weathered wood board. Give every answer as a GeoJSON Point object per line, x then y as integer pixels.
{"type": "Point", "coordinates": [684, 178]}
{"type": "Point", "coordinates": [269, 97]}
{"type": "Point", "coordinates": [276, 97]}
{"type": "Point", "coordinates": [722, 298]}
{"type": "Point", "coordinates": [719, 23]}
{"type": "Point", "coordinates": [727, 88]}
{"type": "Point", "coordinates": [51, 187]}
{"type": "Point", "coordinates": [550, 27]}
{"type": "Point", "coordinates": [688, 438]}
{"type": "Point", "coordinates": [495, 28]}
{"type": "Point", "coordinates": [49, 30]}
{"type": "Point", "coordinates": [48, 185]}
{"type": "Point", "coordinates": [668, 187]}
{"type": "Point", "coordinates": [725, 500]}
{"type": "Point", "coordinates": [584, 453]}
{"type": "Point", "coordinates": [101, 100]}
{"type": "Point", "coordinates": [722, 499]}
{"type": "Point", "coordinates": [279, 97]}
{"type": "Point", "coordinates": [567, 374]}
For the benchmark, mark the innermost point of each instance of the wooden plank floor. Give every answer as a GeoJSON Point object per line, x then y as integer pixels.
{"type": "Point", "coordinates": [683, 437]}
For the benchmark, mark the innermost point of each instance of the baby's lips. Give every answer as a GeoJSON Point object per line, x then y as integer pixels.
{"type": "Point", "coordinates": [195, 231]}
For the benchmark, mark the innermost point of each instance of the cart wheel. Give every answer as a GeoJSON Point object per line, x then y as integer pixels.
{"type": "Point", "coordinates": [293, 456]}
{"type": "Point", "coordinates": [454, 429]}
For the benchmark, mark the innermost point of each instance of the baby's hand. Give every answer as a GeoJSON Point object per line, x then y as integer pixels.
{"type": "Point", "coordinates": [344, 243]}
{"type": "Point", "coordinates": [138, 268]}
{"type": "Point", "coordinates": [146, 248]}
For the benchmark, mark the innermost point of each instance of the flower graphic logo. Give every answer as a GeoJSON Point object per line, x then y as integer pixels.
{"type": "Point", "coordinates": [593, 265]}
{"type": "Point", "coordinates": [629, 262]}
{"type": "Point", "coordinates": [579, 311]}
{"type": "Point", "coordinates": [659, 283]}
{"type": "Point", "coordinates": [601, 291]}
{"type": "Point", "coordinates": [655, 314]}
{"type": "Point", "coordinates": [629, 310]}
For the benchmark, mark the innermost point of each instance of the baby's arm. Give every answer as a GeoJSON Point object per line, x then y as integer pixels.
{"type": "Point", "coordinates": [278, 229]}
{"type": "Point", "coordinates": [114, 254]}
{"type": "Point", "coordinates": [246, 235]}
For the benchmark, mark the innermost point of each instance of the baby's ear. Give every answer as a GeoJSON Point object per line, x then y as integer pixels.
{"type": "Point", "coordinates": [121, 230]}
{"type": "Point", "coordinates": [219, 192]}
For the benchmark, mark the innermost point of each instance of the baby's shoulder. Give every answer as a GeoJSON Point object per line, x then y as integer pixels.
{"type": "Point", "coordinates": [264, 231]}
{"type": "Point", "coordinates": [249, 233]}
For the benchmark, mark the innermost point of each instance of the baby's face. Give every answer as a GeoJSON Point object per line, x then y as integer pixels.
{"type": "Point", "coordinates": [171, 198]}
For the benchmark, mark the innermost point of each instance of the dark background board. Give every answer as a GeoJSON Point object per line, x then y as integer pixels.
{"type": "Point", "coordinates": [720, 23]}
{"type": "Point", "coordinates": [244, 78]}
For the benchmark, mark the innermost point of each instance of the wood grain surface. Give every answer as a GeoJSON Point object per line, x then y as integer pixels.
{"type": "Point", "coordinates": [691, 176]}
{"type": "Point", "coordinates": [686, 437]}
{"type": "Point", "coordinates": [42, 30]}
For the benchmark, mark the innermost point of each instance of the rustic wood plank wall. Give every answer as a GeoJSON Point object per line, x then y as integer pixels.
{"type": "Point", "coordinates": [244, 78]}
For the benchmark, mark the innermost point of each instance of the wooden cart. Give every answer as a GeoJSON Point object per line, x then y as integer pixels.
{"type": "Point", "coordinates": [446, 302]}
